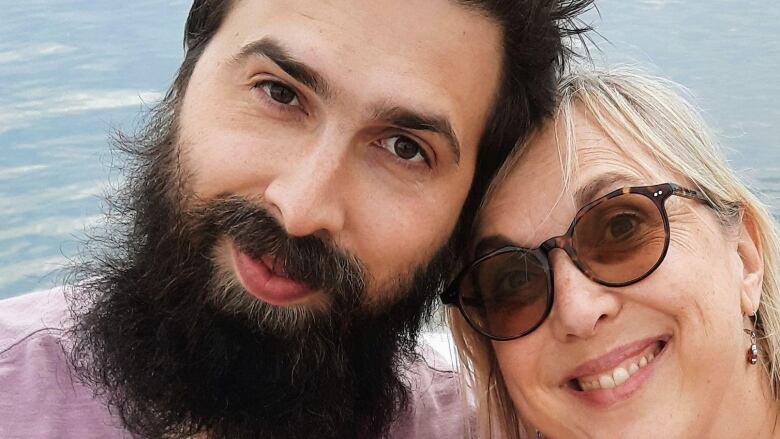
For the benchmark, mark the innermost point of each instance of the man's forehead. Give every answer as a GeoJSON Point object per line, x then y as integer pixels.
{"type": "Point", "coordinates": [442, 28]}
{"type": "Point", "coordinates": [449, 61]}
{"type": "Point", "coordinates": [425, 17]}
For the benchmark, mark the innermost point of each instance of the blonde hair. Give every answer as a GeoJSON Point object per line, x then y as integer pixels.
{"type": "Point", "coordinates": [652, 112]}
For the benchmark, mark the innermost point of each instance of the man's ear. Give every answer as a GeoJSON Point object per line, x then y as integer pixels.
{"type": "Point", "coordinates": [752, 258]}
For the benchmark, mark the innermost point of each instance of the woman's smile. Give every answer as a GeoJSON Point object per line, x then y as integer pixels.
{"type": "Point", "coordinates": [617, 375]}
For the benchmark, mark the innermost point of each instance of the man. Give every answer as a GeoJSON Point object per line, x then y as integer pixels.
{"type": "Point", "coordinates": [289, 213]}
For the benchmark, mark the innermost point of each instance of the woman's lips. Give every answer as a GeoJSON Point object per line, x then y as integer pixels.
{"type": "Point", "coordinates": [619, 374]}
{"type": "Point", "coordinates": [264, 281]}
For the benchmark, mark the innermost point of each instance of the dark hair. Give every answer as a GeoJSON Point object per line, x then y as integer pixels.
{"type": "Point", "coordinates": [535, 52]}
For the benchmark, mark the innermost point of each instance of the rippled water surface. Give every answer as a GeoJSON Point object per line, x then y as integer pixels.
{"type": "Point", "coordinates": [72, 70]}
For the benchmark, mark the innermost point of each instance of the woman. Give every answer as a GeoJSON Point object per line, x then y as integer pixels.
{"type": "Point", "coordinates": [624, 282]}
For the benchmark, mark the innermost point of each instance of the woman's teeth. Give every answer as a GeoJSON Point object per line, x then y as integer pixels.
{"type": "Point", "coordinates": [618, 375]}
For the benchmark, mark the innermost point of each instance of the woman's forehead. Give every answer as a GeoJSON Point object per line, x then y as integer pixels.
{"type": "Point", "coordinates": [539, 194]}
{"type": "Point", "coordinates": [598, 151]}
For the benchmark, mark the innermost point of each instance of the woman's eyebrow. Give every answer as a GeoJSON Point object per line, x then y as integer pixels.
{"type": "Point", "coordinates": [490, 243]}
{"type": "Point", "coordinates": [588, 192]}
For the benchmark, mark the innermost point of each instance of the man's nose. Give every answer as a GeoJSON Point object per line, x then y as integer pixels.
{"type": "Point", "coordinates": [581, 305]}
{"type": "Point", "coordinates": [308, 192]}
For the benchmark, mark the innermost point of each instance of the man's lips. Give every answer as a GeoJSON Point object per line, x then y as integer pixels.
{"type": "Point", "coordinates": [266, 280]}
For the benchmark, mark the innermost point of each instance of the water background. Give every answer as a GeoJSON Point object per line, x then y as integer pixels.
{"type": "Point", "coordinates": [73, 70]}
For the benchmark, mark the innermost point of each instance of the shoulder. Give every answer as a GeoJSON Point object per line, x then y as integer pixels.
{"type": "Point", "coordinates": [438, 408]}
{"type": "Point", "coordinates": [40, 396]}
{"type": "Point", "coordinates": [32, 315]}
{"type": "Point", "coordinates": [432, 376]}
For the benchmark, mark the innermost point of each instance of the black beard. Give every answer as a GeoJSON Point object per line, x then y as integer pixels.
{"type": "Point", "coordinates": [176, 351]}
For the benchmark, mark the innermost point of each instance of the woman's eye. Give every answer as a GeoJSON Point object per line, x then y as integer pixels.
{"type": "Point", "coordinates": [514, 280]}
{"type": "Point", "coordinates": [621, 227]}
{"type": "Point", "coordinates": [280, 93]}
{"type": "Point", "coordinates": [404, 148]}
{"type": "Point", "coordinates": [516, 287]}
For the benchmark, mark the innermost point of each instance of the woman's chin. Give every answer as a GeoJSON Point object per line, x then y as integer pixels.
{"type": "Point", "coordinates": [628, 410]}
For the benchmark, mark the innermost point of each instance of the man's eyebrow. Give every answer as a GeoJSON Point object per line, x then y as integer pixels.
{"type": "Point", "coordinates": [272, 49]}
{"type": "Point", "coordinates": [588, 192]}
{"type": "Point", "coordinates": [412, 120]}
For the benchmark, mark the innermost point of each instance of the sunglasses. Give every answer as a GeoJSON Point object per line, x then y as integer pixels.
{"type": "Point", "coordinates": [616, 240]}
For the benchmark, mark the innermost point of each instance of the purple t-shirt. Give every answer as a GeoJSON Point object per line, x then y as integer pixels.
{"type": "Point", "coordinates": [39, 398]}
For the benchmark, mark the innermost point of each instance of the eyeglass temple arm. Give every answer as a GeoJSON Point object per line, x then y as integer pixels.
{"type": "Point", "coordinates": [690, 193]}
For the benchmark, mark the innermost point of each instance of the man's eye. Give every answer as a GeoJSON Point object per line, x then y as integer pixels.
{"type": "Point", "coordinates": [280, 93]}
{"type": "Point", "coordinates": [404, 148]}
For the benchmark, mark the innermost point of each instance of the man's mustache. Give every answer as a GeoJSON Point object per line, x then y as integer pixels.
{"type": "Point", "coordinates": [305, 259]}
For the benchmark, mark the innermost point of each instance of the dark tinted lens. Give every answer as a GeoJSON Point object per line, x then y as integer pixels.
{"type": "Point", "coordinates": [621, 239]}
{"type": "Point", "coordinates": [506, 295]}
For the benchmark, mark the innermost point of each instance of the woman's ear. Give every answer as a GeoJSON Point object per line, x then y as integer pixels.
{"type": "Point", "coordinates": [752, 258]}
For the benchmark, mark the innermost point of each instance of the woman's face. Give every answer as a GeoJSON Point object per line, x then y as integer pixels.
{"type": "Point", "coordinates": [678, 334]}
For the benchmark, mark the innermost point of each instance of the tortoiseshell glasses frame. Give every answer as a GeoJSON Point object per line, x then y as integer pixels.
{"type": "Point", "coordinates": [474, 307]}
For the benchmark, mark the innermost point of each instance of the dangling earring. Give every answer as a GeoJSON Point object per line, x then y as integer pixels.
{"type": "Point", "coordinates": [752, 353]}
{"type": "Point", "coordinates": [539, 435]}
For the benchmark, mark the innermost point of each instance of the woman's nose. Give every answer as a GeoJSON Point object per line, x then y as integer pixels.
{"type": "Point", "coordinates": [580, 305]}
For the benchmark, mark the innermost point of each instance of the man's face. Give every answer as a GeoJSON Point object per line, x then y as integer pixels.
{"type": "Point", "coordinates": [354, 121]}
{"type": "Point", "coordinates": [324, 152]}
